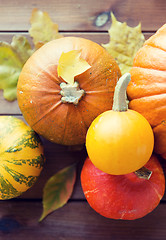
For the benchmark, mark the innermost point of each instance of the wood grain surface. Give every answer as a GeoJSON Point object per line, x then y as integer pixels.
{"type": "Point", "coordinates": [76, 220]}
{"type": "Point", "coordinates": [78, 15]}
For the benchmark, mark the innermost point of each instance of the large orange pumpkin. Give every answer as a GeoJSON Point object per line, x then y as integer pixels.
{"type": "Point", "coordinates": [40, 90]}
{"type": "Point", "coordinates": [147, 89]}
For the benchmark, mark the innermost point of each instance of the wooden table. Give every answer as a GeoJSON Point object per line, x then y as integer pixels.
{"type": "Point", "coordinates": [76, 220]}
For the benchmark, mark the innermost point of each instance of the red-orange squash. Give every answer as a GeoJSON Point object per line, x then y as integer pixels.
{"type": "Point", "coordinates": [123, 196]}
{"type": "Point", "coordinates": [147, 89]}
{"type": "Point", "coordinates": [40, 90]}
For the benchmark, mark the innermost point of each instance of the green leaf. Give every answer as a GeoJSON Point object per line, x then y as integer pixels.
{"type": "Point", "coordinates": [70, 65]}
{"type": "Point", "coordinates": [124, 42]}
{"type": "Point", "coordinates": [43, 29]}
{"type": "Point", "coordinates": [12, 58]}
{"type": "Point", "coordinates": [58, 190]}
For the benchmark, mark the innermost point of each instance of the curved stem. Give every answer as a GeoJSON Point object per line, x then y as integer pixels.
{"type": "Point", "coordinates": [119, 102]}
{"type": "Point", "coordinates": [144, 173]}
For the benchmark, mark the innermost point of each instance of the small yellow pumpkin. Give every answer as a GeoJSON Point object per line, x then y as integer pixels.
{"type": "Point", "coordinates": [120, 141]}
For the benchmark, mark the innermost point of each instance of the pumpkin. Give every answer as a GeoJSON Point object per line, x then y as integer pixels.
{"type": "Point", "coordinates": [123, 196]}
{"type": "Point", "coordinates": [43, 96]}
{"type": "Point", "coordinates": [147, 89]}
{"type": "Point", "coordinates": [22, 157]}
{"type": "Point", "coordinates": [120, 141]}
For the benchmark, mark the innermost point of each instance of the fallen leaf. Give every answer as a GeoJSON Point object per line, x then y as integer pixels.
{"type": "Point", "coordinates": [12, 58]}
{"type": "Point", "coordinates": [71, 65]}
{"type": "Point", "coordinates": [124, 42]}
{"type": "Point", "coordinates": [58, 190]}
{"type": "Point", "coordinates": [22, 47]}
{"type": "Point", "coordinates": [43, 29]}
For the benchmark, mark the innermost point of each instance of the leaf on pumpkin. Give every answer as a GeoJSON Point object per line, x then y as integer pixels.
{"type": "Point", "coordinates": [43, 29]}
{"type": "Point", "coordinates": [12, 58]}
{"type": "Point", "coordinates": [58, 190]}
{"type": "Point", "coordinates": [124, 42]}
{"type": "Point", "coordinates": [71, 65]}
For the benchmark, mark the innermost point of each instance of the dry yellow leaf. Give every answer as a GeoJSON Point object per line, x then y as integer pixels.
{"type": "Point", "coordinates": [12, 58]}
{"type": "Point", "coordinates": [124, 43]}
{"type": "Point", "coordinates": [43, 29]}
{"type": "Point", "coordinates": [71, 65]}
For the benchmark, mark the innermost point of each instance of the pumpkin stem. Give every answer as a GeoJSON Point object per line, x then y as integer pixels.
{"type": "Point", "coordinates": [71, 93]}
{"type": "Point", "coordinates": [120, 102]}
{"type": "Point", "coordinates": [143, 173]}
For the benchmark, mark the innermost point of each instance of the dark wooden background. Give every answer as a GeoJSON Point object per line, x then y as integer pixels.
{"type": "Point", "coordinates": [76, 220]}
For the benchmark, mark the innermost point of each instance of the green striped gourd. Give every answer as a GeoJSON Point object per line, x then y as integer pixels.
{"type": "Point", "coordinates": [21, 157]}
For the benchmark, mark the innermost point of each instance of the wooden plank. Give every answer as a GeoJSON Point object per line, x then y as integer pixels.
{"type": "Point", "coordinates": [98, 37]}
{"type": "Point", "coordinates": [78, 15]}
{"type": "Point", "coordinates": [7, 107]}
{"type": "Point", "coordinates": [75, 221]}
